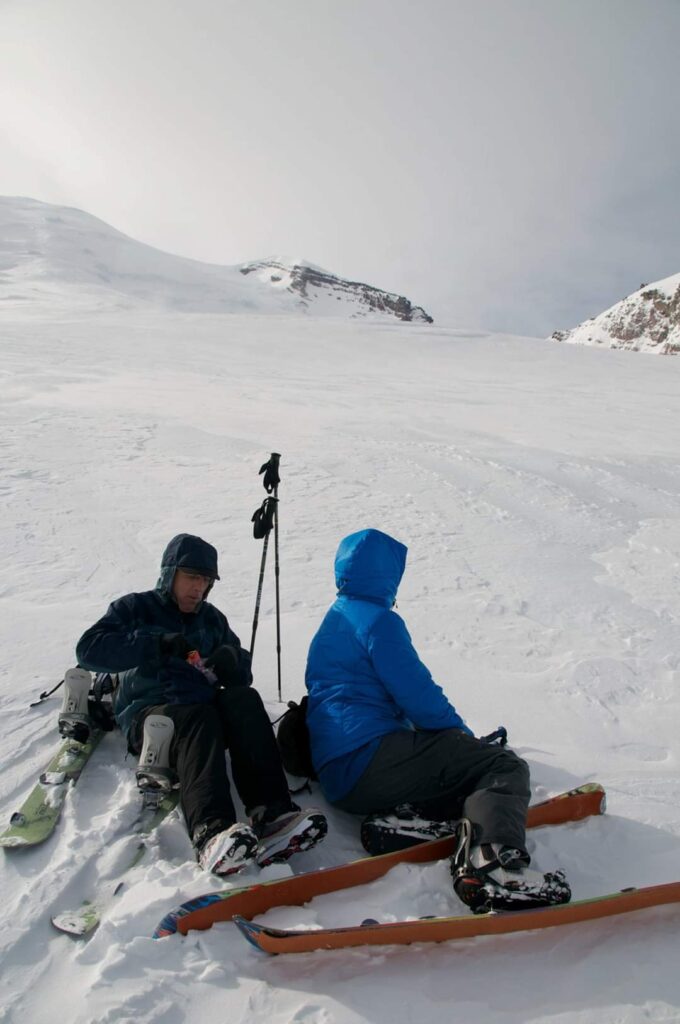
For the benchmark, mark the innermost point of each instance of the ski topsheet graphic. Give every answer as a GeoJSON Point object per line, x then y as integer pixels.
{"type": "Point", "coordinates": [442, 929]}
{"type": "Point", "coordinates": [204, 911]}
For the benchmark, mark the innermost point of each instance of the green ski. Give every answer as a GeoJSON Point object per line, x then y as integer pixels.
{"type": "Point", "coordinates": [37, 817]}
{"type": "Point", "coordinates": [86, 918]}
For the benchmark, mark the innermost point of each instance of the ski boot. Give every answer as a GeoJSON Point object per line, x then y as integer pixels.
{"type": "Point", "coordinates": [226, 850]}
{"type": "Point", "coordinates": [155, 777]}
{"type": "Point", "coordinates": [489, 876]}
{"type": "Point", "coordinates": [285, 830]}
{"type": "Point", "coordinates": [74, 720]}
{"type": "Point", "coordinates": [399, 829]}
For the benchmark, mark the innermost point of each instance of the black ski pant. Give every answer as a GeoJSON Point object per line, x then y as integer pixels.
{"type": "Point", "coordinates": [447, 775]}
{"type": "Point", "coordinates": [238, 722]}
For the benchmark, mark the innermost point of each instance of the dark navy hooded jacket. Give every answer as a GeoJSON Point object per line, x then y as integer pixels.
{"type": "Point", "coordinates": [127, 639]}
{"type": "Point", "coordinates": [364, 677]}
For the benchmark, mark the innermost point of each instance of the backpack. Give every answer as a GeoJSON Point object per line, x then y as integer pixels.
{"type": "Point", "coordinates": [292, 738]}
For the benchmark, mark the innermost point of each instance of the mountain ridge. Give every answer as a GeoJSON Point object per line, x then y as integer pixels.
{"type": "Point", "coordinates": [48, 252]}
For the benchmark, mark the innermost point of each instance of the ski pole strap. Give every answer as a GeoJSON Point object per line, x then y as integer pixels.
{"type": "Point", "coordinates": [46, 693]}
{"type": "Point", "coordinates": [263, 518]}
{"type": "Point", "coordinates": [270, 469]}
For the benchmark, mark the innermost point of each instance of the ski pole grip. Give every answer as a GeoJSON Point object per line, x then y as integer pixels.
{"type": "Point", "coordinates": [499, 736]}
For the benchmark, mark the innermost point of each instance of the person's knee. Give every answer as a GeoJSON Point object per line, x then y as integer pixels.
{"type": "Point", "coordinates": [241, 700]}
{"type": "Point", "coordinates": [509, 772]}
{"type": "Point", "coordinates": [518, 768]}
{"type": "Point", "coordinates": [199, 718]}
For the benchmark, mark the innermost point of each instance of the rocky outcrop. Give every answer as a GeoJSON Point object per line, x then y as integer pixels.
{"type": "Point", "coordinates": [316, 287]}
{"type": "Point", "coordinates": [646, 321]}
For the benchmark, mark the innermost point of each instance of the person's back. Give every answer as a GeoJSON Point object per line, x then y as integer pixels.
{"type": "Point", "coordinates": [383, 735]}
{"type": "Point", "coordinates": [364, 677]}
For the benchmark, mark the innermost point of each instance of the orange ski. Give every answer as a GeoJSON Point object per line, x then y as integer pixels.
{"type": "Point", "coordinates": [443, 929]}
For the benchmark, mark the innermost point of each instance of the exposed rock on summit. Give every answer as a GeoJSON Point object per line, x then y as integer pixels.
{"type": "Point", "coordinates": [315, 286]}
{"type": "Point", "coordinates": [646, 321]}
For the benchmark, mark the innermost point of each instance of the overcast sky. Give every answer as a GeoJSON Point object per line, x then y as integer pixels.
{"type": "Point", "coordinates": [509, 164]}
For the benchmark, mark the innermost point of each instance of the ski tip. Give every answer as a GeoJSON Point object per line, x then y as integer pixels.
{"type": "Point", "coordinates": [168, 926]}
{"type": "Point", "coordinates": [251, 932]}
{"type": "Point", "coordinates": [74, 924]}
{"type": "Point", "coordinates": [191, 914]}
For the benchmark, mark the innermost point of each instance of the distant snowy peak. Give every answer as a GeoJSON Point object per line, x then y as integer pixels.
{"type": "Point", "coordinates": [57, 257]}
{"type": "Point", "coordinates": [646, 321]}
{"type": "Point", "coordinates": [319, 290]}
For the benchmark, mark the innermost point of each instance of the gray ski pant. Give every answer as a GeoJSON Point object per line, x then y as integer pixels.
{"type": "Point", "coordinates": [447, 775]}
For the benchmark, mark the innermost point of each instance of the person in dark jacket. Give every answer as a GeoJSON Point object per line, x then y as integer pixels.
{"type": "Point", "coordinates": [146, 639]}
{"type": "Point", "coordinates": [384, 735]}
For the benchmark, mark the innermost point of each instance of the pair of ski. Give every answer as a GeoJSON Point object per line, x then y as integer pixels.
{"type": "Point", "coordinates": [241, 905]}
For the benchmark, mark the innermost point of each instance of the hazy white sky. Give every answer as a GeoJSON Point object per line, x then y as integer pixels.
{"type": "Point", "coordinates": [513, 164]}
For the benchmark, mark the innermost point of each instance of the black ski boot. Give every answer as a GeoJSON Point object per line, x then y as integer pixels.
{"type": "Point", "coordinates": [489, 876]}
{"type": "Point", "coordinates": [401, 828]}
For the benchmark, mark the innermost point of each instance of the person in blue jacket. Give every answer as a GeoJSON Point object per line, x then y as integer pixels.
{"type": "Point", "coordinates": [145, 639]}
{"type": "Point", "coordinates": [383, 734]}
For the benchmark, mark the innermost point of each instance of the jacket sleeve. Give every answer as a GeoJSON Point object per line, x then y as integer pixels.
{"type": "Point", "coordinates": [229, 639]}
{"type": "Point", "coordinates": [115, 643]}
{"type": "Point", "coordinates": [407, 679]}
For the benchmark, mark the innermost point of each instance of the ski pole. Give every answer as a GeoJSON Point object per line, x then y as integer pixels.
{"type": "Point", "coordinates": [262, 520]}
{"type": "Point", "coordinates": [270, 482]}
{"type": "Point", "coordinates": [278, 606]}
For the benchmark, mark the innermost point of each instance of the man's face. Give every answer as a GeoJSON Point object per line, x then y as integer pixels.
{"type": "Point", "coordinates": [189, 588]}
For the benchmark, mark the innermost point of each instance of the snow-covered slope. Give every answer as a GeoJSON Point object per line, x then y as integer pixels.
{"type": "Point", "coordinates": [646, 321]}
{"type": "Point", "coordinates": [56, 256]}
{"type": "Point", "coordinates": [538, 490]}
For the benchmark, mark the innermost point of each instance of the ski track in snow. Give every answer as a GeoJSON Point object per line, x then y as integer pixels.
{"type": "Point", "coordinates": [538, 490]}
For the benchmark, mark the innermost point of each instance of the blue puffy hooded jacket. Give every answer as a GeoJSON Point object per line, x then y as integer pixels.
{"type": "Point", "coordinates": [126, 639]}
{"type": "Point", "coordinates": [363, 676]}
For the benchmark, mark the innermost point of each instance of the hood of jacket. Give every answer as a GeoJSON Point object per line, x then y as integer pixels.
{"type": "Point", "coordinates": [369, 564]}
{"type": "Point", "coordinates": [187, 552]}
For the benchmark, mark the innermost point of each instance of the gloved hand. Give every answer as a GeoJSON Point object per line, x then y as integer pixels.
{"type": "Point", "coordinates": [499, 737]}
{"type": "Point", "coordinates": [224, 662]}
{"type": "Point", "coordinates": [174, 645]}
{"type": "Point", "coordinates": [184, 684]}
{"type": "Point", "coordinates": [271, 473]}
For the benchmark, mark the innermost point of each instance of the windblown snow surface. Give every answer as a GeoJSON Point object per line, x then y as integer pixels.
{"type": "Point", "coordinates": [537, 488]}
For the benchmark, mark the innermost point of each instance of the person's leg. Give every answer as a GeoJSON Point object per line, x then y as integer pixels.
{"type": "Point", "coordinates": [197, 755]}
{"type": "Point", "coordinates": [487, 785]}
{"type": "Point", "coordinates": [281, 826]}
{"type": "Point", "coordinates": [445, 775]}
{"type": "Point", "coordinates": [247, 733]}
